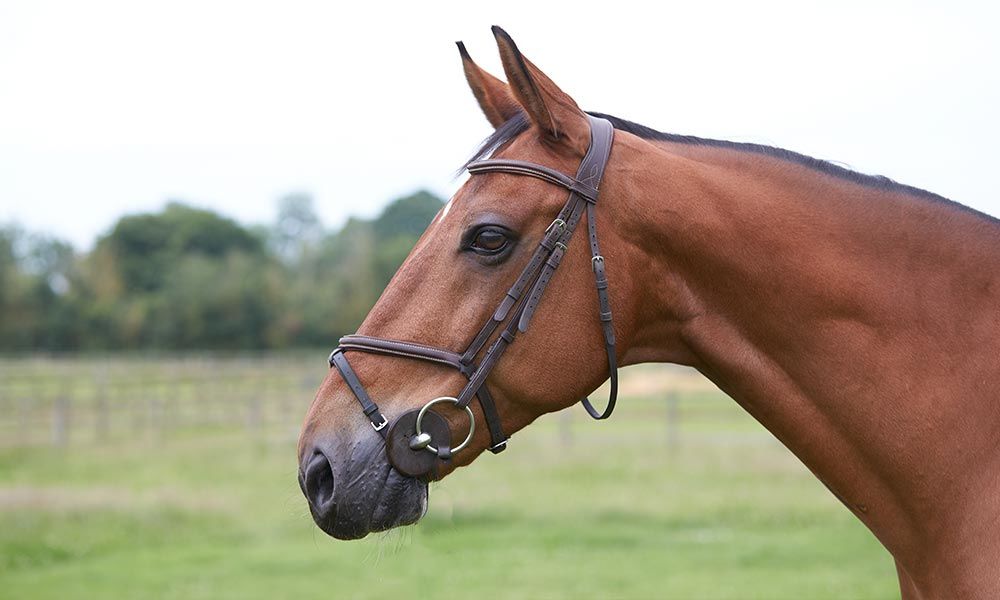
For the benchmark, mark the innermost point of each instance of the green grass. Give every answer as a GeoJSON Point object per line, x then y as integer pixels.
{"type": "Point", "coordinates": [611, 511]}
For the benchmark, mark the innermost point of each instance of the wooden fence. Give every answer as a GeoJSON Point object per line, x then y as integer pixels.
{"type": "Point", "coordinates": [65, 401]}
{"type": "Point", "coordinates": [81, 400]}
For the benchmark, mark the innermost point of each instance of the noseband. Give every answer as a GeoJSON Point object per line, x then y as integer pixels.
{"type": "Point", "coordinates": [409, 439]}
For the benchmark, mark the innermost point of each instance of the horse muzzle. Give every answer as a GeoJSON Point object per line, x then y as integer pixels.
{"type": "Point", "coordinates": [352, 489]}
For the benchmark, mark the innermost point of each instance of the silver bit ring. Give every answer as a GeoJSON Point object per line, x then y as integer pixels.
{"type": "Point", "coordinates": [468, 411]}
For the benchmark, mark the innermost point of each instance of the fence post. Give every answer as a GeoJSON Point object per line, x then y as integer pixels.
{"type": "Point", "coordinates": [101, 419]}
{"type": "Point", "coordinates": [165, 402]}
{"type": "Point", "coordinates": [24, 404]}
{"type": "Point", "coordinates": [254, 403]}
{"type": "Point", "coordinates": [60, 420]}
{"type": "Point", "coordinates": [132, 392]}
{"type": "Point", "coordinates": [673, 434]}
{"type": "Point", "coordinates": [295, 401]}
{"type": "Point", "coordinates": [154, 412]}
{"type": "Point", "coordinates": [175, 395]}
{"type": "Point", "coordinates": [566, 428]}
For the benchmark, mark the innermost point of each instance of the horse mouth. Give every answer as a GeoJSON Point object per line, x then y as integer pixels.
{"type": "Point", "coordinates": [349, 506]}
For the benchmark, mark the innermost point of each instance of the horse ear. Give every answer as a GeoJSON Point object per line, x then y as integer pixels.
{"type": "Point", "coordinates": [549, 108]}
{"type": "Point", "coordinates": [492, 94]}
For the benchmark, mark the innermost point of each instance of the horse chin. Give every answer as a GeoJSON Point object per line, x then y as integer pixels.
{"type": "Point", "coordinates": [371, 497]}
{"type": "Point", "coordinates": [403, 502]}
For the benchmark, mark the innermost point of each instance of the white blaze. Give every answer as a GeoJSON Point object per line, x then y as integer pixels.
{"type": "Point", "coordinates": [447, 207]}
{"type": "Point", "coordinates": [442, 213]}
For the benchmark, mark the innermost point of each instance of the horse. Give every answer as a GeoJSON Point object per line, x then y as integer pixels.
{"type": "Point", "coordinates": [856, 318]}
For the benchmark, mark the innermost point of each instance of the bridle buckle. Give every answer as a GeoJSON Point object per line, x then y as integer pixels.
{"type": "Point", "coordinates": [554, 224]}
{"type": "Point", "coordinates": [595, 260]}
{"type": "Point", "coordinates": [380, 426]}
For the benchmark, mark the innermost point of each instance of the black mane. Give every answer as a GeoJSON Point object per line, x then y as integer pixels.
{"type": "Point", "coordinates": [519, 124]}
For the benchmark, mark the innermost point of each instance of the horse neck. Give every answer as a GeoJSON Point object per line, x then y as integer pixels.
{"type": "Point", "coordinates": [858, 324]}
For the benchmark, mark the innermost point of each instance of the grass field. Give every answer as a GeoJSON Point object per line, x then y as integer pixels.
{"type": "Point", "coordinates": [714, 508]}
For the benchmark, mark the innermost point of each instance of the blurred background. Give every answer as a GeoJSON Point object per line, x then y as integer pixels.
{"type": "Point", "coordinates": [198, 198]}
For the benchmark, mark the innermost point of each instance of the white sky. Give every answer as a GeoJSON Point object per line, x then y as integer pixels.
{"type": "Point", "coordinates": [112, 107]}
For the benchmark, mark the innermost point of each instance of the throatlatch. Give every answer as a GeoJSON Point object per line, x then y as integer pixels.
{"type": "Point", "coordinates": [418, 441]}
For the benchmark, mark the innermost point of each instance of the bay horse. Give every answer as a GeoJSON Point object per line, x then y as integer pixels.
{"type": "Point", "coordinates": [856, 318]}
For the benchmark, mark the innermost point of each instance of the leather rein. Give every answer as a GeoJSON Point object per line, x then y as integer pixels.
{"type": "Point", "coordinates": [408, 440]}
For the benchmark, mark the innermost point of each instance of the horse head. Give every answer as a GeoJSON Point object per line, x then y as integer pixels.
{"type": "Point", "coordinates": [404, 396]}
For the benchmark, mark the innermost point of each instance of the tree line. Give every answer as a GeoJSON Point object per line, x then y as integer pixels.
{"type": "Point", "coordinates": [188, 278]}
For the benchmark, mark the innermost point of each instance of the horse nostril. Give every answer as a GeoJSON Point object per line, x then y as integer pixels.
{"type": "Point", "coordinates": [318, 485]}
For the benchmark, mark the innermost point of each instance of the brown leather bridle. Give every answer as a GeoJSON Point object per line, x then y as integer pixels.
{"type": "Point", "coordinates": [408, 440]}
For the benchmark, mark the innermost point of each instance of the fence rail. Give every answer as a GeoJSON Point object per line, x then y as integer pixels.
{"type": "Point", "coordinates": [66, 401]}
{"type": "Point", "coordinates": [70, 401]}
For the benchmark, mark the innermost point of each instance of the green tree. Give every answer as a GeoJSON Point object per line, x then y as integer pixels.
{"type": "Point", "coordinates": [145, 245]}
{"type": "Point", "coordinates": [35, 276]}
{"type": "Point", "coordinates": [186, 278]}
{"type": "Point", "coordinates": [298, 229]}
{"type": "Point", "coordinates": [216, 303]}
{"type": "Point", "coordinates": [397, 230]}
{"type": "Point", "coordinates": [408, 216]}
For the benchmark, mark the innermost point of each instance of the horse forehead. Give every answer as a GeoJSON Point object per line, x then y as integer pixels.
{"type": "Point", "coordinates": [516, 197]}
{"type": "Point", "coordinates": [471, 197]}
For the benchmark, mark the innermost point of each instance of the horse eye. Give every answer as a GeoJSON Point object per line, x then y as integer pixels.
{"type": "Point", "coordinates": [489, 241]}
